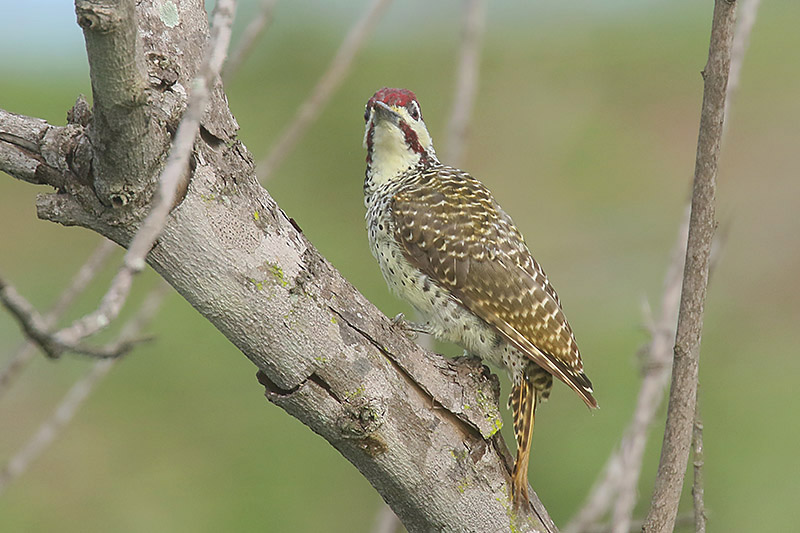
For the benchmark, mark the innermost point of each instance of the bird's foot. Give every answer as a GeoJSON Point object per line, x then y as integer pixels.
{"type": "Point", "coordinates": [409, 328]}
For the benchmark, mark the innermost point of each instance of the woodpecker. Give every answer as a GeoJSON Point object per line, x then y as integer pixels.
{"type": "Point", "coordinates": [446, 246]}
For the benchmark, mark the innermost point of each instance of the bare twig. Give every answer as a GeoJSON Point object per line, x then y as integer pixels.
{"type": "Point", "coordinates": [622, 469]}
{"type": "Point", "coordinates": [621, 473]}
{"type": "Point", "coordinates": [681, 522]}
{"type": "Point", "coordinates": [250, 36]}
{"type": "Point", "coordinates": [655, 379]}
{"type": "Point", "coordinates": [75, 397]}
{"type": "Point", "coordinates": [466, 79]}
{"type": "Point", "coordinates": [84, 276]}
{"type": "Point", "coordinates": [651, 394]}
{"type": "Point", "coordinates": [698, 486]}
{"type": "Point", "coordinates": [683, 389]}
{"type": "Point", "coordinates": [745, 19]}
{"type": "Point", "coordinates": [327, 84]}
{"type": "Point", "coordinates": [33, 324]}
{"type": "Point", "coordinates": [69, 338]}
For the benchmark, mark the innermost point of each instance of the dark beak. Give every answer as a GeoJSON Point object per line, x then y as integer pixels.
{"type": "Point", "coordinates": [384, 112]}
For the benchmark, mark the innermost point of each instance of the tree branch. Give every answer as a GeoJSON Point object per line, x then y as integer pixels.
{"type": "Point", "coordinates": [422, 429]}
{"type": "Point", "coordinates": [72, 401]}
{"type": "Point", "coordinates": [621, 471]}
{"type": "Point", "coordinates": [174, 173]}
{"type": "Point", "coordinates": [85, 275]}
{"type": "Point", "coordinates": [327, 84]}
{"type": "Point", "coordinates": [35, 328]}
{"type": "Point", "coordinates": [614, 480]}
{"type": "Point", "coordinates": [466, 79]}
{"type": "Point", "coordinates": [698, 486]}
{"type": "Point", "coordinates": [126, 141]}
{"type": "Point", "coordinates": [169, 182]}
{"type": "Point", "coordinates": [657, 368]}
{"type": "Point", "coordinates": [683, 390]}
{"type": "Point", "coordinates": [250, 36]}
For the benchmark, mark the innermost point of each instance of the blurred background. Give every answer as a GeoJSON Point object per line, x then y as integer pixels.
{"type": "Point", "coordinates": [584, 127]}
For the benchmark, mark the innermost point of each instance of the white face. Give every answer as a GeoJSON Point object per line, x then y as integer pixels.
{"type": "Point", "coordinates": [399, 140]}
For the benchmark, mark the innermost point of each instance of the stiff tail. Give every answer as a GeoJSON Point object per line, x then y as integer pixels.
{"type": "Point", "coordinates": [523, 402]}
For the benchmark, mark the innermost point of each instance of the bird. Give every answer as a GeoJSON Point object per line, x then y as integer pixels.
{"type": "Point", "coordinates": [445, 245]}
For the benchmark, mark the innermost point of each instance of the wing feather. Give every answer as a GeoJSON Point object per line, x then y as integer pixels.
{"type": "Point", "coordinates": [451, 228]}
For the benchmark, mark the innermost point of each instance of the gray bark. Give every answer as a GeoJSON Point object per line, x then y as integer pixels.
{"type": "Point", "coordinates": [702, 223]}
{"type": "Point", "coordinates": [422, 429]}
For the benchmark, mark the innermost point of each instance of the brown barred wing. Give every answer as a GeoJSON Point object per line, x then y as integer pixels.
{"type": "Point", "coordinates": [451, 228]}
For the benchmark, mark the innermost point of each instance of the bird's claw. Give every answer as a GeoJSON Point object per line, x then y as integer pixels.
{"type": "Point", "coordinates": [409, 328]}
{"type": "Point", "coordinates": [398, 320]}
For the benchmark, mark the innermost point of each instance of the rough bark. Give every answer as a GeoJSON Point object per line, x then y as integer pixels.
{"type": "Point", "coordinates": [422, 429]}
{"type": "Point", "coordinates": [683, 389]}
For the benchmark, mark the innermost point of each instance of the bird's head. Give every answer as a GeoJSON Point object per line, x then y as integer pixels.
{"type": "Point", "coordinates": [395, 135]}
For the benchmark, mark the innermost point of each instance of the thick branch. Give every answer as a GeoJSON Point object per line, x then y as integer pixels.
{"type": "Point", "coordinates": [127, 144]}
{"type": "Point", "coordinates": [169, 182]}
{"type": "Point", "coordinates": [34, 151]}
{"type": "Point", "coordinates": [423, 430]}
{"type": "Point", "coordinates": [683, 391]}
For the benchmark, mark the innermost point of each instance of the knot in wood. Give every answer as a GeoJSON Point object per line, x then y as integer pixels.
{"type": "Point", "coordinates": [163, 71]}
{"type": "Point", "coordinates": [80, 113]}
{"type": "Point", "coordinates": [119, 199]}
{"type": "Point", "coordinates": [96, 16]}
{"type": "Point", "coordinates": [361, 417]}
{"type": "Point", "coordinates": [79, 158]}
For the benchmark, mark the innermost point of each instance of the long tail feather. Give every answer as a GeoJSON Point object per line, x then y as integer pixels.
{"type": "Point", "coordinates": [523, 406]}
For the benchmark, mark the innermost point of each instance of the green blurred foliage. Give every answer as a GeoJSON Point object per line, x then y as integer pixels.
{"type": "Point", "coordinates": [585, 128]}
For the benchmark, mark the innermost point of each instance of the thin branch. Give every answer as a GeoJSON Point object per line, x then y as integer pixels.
{"type": "Point", "coordinates": [650, 395]}
{"type": "Point", "coordinates": [698, 486]}
{"type": "Point", "coordinates": [84, 276]}
{"type": "Point", "coordinates": [683, 390]}
{"type": "Point", "coordinates": [745, 19]}
{"type": "Point", "coordinates": [252, 33]}
{"type": "Point", "coordinates": [35, 328]}
{"type": "Point", "coordinates": [681, 522]}
{"type": "Point", "coordinates": [466, 79]}
{"type": "Point", "coordinates": [76, 396]}
{"type": "Point", "coordinates": [622, 468]}
{"type": "Point", "coordinates": [69, 338]}
{"type": "Point", "coordinates": [621, 473]}
{"type": "Point", "coordinates": [326, 86]}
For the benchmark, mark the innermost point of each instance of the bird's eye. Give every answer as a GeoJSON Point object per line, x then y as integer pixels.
{"type": "Point", "coordinates": [366, 114]}
{"type": "Point", "coordinates": [413, 110]}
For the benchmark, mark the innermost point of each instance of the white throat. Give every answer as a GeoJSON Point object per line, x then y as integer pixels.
{"type": "Point", "coordinates": [391, 156]}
